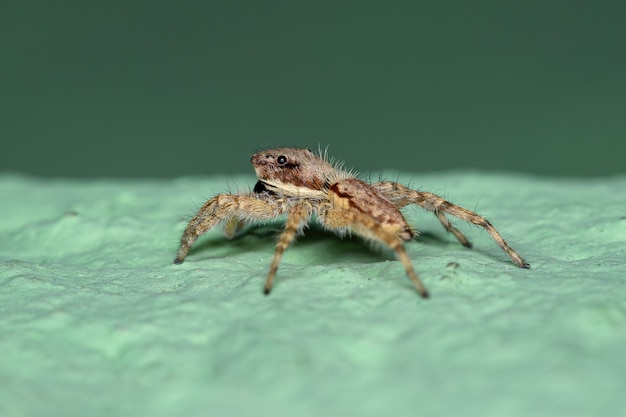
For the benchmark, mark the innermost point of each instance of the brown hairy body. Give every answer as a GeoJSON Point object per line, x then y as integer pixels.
{"type": "Point", "coordinates": [298, 183]}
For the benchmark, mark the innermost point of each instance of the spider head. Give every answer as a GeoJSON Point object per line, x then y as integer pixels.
{"type": "Point", "coordinates": [291, 170]}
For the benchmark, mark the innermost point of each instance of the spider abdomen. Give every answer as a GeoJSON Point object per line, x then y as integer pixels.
{"type": "Point", "coordinates": [354, 194]}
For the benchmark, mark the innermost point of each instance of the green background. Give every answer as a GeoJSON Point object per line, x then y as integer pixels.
{"type": "Point", "coordinates": [96, 320]}
{"type": "Point", "coordinates": [158, 89]}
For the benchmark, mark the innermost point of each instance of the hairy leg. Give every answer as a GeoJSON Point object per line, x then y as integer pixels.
{"type": "Point", "coordinates": [297, 218]}
{"type": "Point", "coordinates": [367, 227]}
{"type": "Point", "coordinates": [402, 196]}
{"type": "Point", "coordinates": [231, 208]}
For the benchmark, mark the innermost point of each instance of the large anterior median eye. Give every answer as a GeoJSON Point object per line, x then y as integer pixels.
{"type": "Point", "coordinates": [282, 160]}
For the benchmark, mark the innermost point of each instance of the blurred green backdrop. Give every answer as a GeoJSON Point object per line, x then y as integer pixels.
{"type": "Point", "coordinates": [161, 89]}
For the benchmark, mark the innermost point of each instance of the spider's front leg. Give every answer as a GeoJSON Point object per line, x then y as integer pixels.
{"type": "Point", "coordinates": [402, 196]}
{"type": "Point", "coordinates": [232, 208]}
{"type": "Point", "coordinates": [298, 217]}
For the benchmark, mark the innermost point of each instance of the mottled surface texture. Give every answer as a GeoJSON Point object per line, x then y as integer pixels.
{"type": "Point", "coordinates": [96, 320]}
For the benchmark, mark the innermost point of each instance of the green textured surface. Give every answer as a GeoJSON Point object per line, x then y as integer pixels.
{"type": "Point", "coordinates": [96, 320]}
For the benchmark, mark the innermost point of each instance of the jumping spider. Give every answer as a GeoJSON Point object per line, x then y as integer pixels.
{"type": "Point", "coordinates": [299, 183]}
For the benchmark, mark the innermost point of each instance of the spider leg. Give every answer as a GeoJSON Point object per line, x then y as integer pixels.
{"type": "Point", "coordinates": [231, 208]}
{"type": "Point", "coordinates": [232, 225]}
{"type": "Point", "coordinates": [451, 229]}
{"type": "Point", "coordinates": [366, 226]}
{"type": "Point", "coordinates": [298, 216]}
{"type": "Point", "coordinates": [402, 196]}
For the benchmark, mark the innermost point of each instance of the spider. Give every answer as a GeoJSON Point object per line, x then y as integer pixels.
{"type": "Point", "coordinates": [299, 183]}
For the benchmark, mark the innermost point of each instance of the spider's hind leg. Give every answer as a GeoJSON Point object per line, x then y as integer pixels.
{"type": "Point", "coordinates": [451, 229]}
{"type": "Point", "coordinates": [402, 196]}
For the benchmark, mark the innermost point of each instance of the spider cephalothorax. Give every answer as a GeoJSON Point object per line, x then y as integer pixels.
{"type": "Point", "coordinates": [298, 183]}
{"type": "Point", "coordinates": [294, 170]}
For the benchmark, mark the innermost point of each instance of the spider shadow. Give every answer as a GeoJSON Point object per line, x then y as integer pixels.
{"type": "Point", "coordinates": [316, 246]}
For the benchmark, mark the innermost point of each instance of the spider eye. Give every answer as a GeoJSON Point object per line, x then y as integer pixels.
{"type": "Point", "coordinates": [282, 160]}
